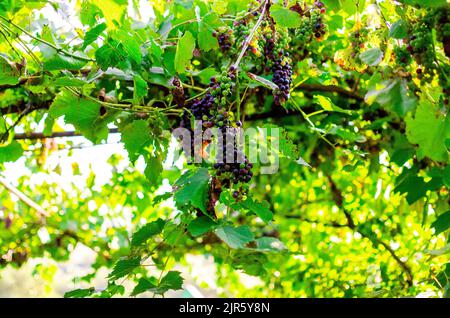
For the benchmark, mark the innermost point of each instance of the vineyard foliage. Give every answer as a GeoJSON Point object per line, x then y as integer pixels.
{"type": "Point", "coordinates": [358, 91]}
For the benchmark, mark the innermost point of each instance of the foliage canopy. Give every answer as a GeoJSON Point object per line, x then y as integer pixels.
{"type": "Point", "coordinates": [359, 89]}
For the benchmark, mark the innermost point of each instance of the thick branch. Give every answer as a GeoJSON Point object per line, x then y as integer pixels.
{"type": "Point", "coordinates": [331, 89]}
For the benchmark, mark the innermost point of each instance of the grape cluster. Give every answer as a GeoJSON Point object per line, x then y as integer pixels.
{"type": "Point", "coordinates": [282, 77]}
{"type": "Point", "coordinates": [278, 61]}
{"type": "Point", "coordinates": [312, 27]}
{"type": "Point", "coordinates": [232, 162]}
{"type": "Point", "coordinates": [231, 166]}
{"type": "Point", "coordinates": [225, 38]}
{"type": "Point", "coordinates": [357, 39]}
{"type": "Point", "coordinates": [442, 18]}
{"type": "Point", "coordinates": [318, 27]}
{"type": "Point", "coordinates": [420, 45]}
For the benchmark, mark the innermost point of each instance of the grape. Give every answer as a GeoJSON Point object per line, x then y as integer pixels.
{"type": "Point", "coordinates": [225, 38]}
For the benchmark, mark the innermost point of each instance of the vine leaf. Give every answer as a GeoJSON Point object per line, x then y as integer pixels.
{"type": "Point", "coordinates": [442, 223]}
{"type": "Point", "coordinates": [429, 128]}
{"type": "Point", "coordinates": [79, 293]}
{"type": "Point", "coordinates": [153, 169]}
{"type": "Point", "coordinates": [261, 209]}
{"type": "Point", "coordinates": [11, 152]}
{"type": "Point", "coordinates": [285, 17]}
{"type": "Point", "coordinates": [171, 281]}
{"type": "Point", "coordinates": [136, 136]}
{"type": "Point", "coordinates": [328, 105]}
{"type": "Point", "coordinates": [140, 89]}
{"type": "Point", "coordinates": [270, 244]}
{"type": "Point", "coordinates": [93, 34]}
{"type": "Point", "coordinates": [372, 57]}
{"type": "Point", "coordinates": [184, 52]}
{"type": "Point", "coordinates": [9, 75]}
{"type": "Point", "coordinates": [439, 252]}
{"type": "Point", "coordinates": [82, 113]}
{"type": "Point", "coordinates": [201, 225]}
{"type": "Point", "coordinates": [398, 30]}
{"type": "Point", "coordinates": [446, 176]}
{"type": "Point", "coordinates": [147, 231]}
{"type": "Point", "coordinates": [394, 95]}
{"type": "Point", "coordinates": [192, 187]}
{"type": "Point", "coordinates": [124, 267]}
{"type": "Point", "coordinates": [130, 44]}
{"type": "Point", "coordinates": [112, 11]}
{"type": "Point", "coordinates": [110, 54]}
{"type": "Point", "coordinates": [143, 285]}
{"type": "Point", "coordinates": [60, 62]}
{"type": "Point", "coordinates": [235, 237]}
{"type": "Point", "coordinates": [206, 26]}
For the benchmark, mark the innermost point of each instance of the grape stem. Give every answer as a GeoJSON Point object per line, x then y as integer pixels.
{"type": "Point", "coordinates": [251, 35]}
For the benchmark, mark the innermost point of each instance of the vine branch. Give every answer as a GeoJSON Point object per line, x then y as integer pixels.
{"type": "Point", "coordinates": [24, 198]}
{"type": "Point", "coordinates": [58, 49]}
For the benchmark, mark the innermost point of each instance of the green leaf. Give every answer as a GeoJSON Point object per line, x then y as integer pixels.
{"type": "Point", "coordinates": [285, 17]}
{"type": "Point", "coordinates": [446, 176]}
{"type": "Point", "coordinates": [261, 209]}
{"type": "Point", "coordinates": [235, 237]}
{"type": "Point", "coordinates": [413, 186]}
{"type": "Point", "coordinates": [140, 89]}
{"type": "Point", "coordinates": [372, 57]}
{"type": "Point", "coordinates": [61, 62]}
{"type": "Point", "coordinates": [206, 27]}
{"type": "Point", "coordinates": [184, 53]}
{"type": "Point", "coordinates": [286, 146]}
{"type": "Point", "coordinates": [147, 231]}
{"type": "Point", "coordinates": [398, 30]}
{"type": "Point", "coordinates": [269, 244]}
{"type": "Point", "coordinates": [429, 128]}
{"type": "Point", "coordinates": [82, 113]}
{"type": "Point", "coordinates": [69, 81]}
{"type": "Point", "coordinates": [351, 7]}
{"type": "Point", "coordinates": [206, 74]}
{"type": "Point", "coordinates": [439, 252]}
{"type": "Point", "coordinates": [9, 75]}
{"type": "Point", "coordinates": [400, 156]}
{"type": "Point", "coordinates": [124, 267]}
{"type": "Point", "coordinates": [192, 187]}
{"type": "Point", "coordinates": [113, 11]}
{"type": "Point", "coordinates": [93, 34]}
{"type": "Point", "coordinates": [171, 281]}
{"type": "Point", "coordinates": [143, 286]}
{"type": "Point", "coordinates": [328, 105]}
{"type": "Point", "coordinates": [79, 293]}
{"type": "Point", "coordinates": [11, 152]}
{"type": "Point", "coordinates": [394, 95]}
{"type": "Point", "coordinates": [110, 54]}
{"type": "Point", "coordinates": [130, 44]}
{"type": "Point", "coordinates": [442, 223]}
{"type": "Point", "coordinates": [201, 225]}
{"type": "Point", "coordinates": [136, 136]}
{"type": "Point", "coordinates": [153, 169]}
{"type": "Point", "coordinates": [427, 3]}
